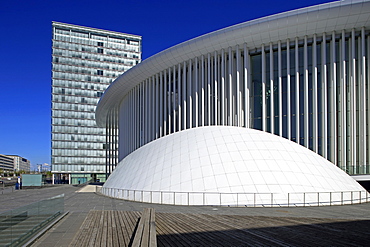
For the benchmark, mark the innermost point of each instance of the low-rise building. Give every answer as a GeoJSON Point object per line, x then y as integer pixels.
{"type": "Point", "coordinates": [6, 163]}
{"type": "Point", "coordinates": [20, 163]}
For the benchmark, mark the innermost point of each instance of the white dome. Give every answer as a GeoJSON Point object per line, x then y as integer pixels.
{"type": "Point", "coordinates": [262, 168]}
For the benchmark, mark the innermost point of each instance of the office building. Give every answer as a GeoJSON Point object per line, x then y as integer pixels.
{"type": "Point", "coordinates": [84, 63]}
{"type": "Point", "coordinates": [6, 163]}
{"type": "Point", "coordinates": [20, 163]}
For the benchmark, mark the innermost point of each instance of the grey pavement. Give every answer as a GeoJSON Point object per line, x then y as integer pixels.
{"type": "Point", "coordinates": [79, 204]}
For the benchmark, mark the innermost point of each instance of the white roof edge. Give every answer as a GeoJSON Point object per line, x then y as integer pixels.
{"type": "Point", "coordinates": [217, 40]}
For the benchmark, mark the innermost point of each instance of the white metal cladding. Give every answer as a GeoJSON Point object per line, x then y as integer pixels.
{"type": "Point", "coordinates": [302, 75]}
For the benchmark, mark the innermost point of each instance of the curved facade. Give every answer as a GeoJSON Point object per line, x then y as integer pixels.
{"type": "Point", "coordinates": [302, 75]}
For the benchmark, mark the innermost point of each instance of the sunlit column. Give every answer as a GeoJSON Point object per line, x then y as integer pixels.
{"type": "Point", "coordinates": [333, 123]}
{"type": "Point", "coordinates": [314, 97]}
{"type": "Point", "coordinates": [174, 99]}
{"type": "Point", "coordinates": [246, 87]}
{"type": "Point", "coordinates": [160, 104]}
{"type": "Point", "coordinates": [280, 91]}
{"type": "Point", "coordinates": [179, 93]}
{"type": "Point", "coordinates": [129, 123]}
{"type": "Point", "coordinates": [324, 101]}
{"type": "Point", "coordinates": [272, 113]}
{"type": "Point", "coordinates": [209, 88]}
{"type": "Point", "coordinates": [202, 92]}
{"type": "Point", "coordinates": [367, 170]}
{"type": "Point", "coordinates": [353, 102]}
{"type": "Point", "coordinates": [363, 101]}
{"type": "Point", "coordinates": [147, 118]}
{"type": "Point", "coordinates": [164, 103]}
{"type": "Point", "coordinates": [264, 115]}
{"type": "Point", "coordinates": [289, 118]}
{"type": "Point", "coordinates": [223, 95]}
{"type": "Point", "coordinates": [169, 99]}
{"type": "Point", "coordinates": [343, 102]}
{"type": "Point", "coordinates": [297, 101]}
{"type": "Point", "coordinates": [157, 124]}
{"type": "Point", "coordinates": [184, 97]}
{"type": "Point", "coordinates": [305, 102]}
{"type": "Point", "coordinates": [215, 86]}
{"type": "Point", "coordinates": [237, 102]}
{"type": "Point", "coordinates": [196, 90]}
{"type": "Point", "coordinates": [230, 82]}
{"type": "Point", "coordinates": [190, 94]}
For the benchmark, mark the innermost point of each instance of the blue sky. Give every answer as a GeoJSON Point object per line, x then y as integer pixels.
{"type": "Point", "coordinates": [25, 49]}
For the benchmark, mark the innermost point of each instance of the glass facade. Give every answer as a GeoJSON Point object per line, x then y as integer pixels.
{"type": "Point", "coordinates": [84, 62]}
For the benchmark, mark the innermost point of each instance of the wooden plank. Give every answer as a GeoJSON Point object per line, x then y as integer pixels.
{"type": "Point", "coordinates": [121, 230]}
{"type": "Point", "coordinates": [139, 231]}
{"type": "Point", "coordinates": [126, 227]}
{"type": "Point", "coordinates": [100, 230]}
{"type": "Point", "coordinates": [105, 230]}
{"type": "Point", "coordinates": [110, 230]}
{"type": "Point", "coordinates": [146, 230]}
{"type": "Point", "coordinates": [153, 230]}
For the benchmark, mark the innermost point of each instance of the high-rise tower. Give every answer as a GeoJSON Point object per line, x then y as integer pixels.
{"type": "Point", "coordinates": [85, 61]}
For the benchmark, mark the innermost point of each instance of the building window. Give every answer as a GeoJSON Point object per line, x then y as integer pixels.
{"type": "Point", "coordinates": [100, 44]}
{"type": "Point", "coordinates": [100, 50]}
{"type": "Point", "coordinates": [100, 72]}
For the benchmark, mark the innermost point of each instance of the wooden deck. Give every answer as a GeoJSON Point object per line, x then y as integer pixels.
{"type": "Point", "coordinates": [117, 228]}
{"type": "Point", "coordinates": [107, 228]}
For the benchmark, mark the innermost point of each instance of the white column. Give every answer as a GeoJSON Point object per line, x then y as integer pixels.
{"type": "Point", "coordinates": [179, 93]}
{"type": "Point", "coordinates": [161, 104]}
{"type": "Point", "coordinates": [202, 95]}
{"type": "Point", "coordinates": [297, 111]}
{"type": "Point", "coordinates": [223, 99]}
{"type": "Point", "coordinates": [147, 118]}
{"type": "Point", "coordinates": [315, 129]}
{"type": "Point", "coordinates": [367, 170]}
{"type": "Point", "coordinates": [184, 97]}
{"type": "Point", "coordinates": [129, 120]}
{"type": "Point", "coordinates": [280, 91]}
{"type": "Point", "coordinates": [215, 69]}
{"type": "Point", "coordinates": [324, 101]}
{"type": "Point", "coordinates": [157, 124]}
{"type": "Point", "coordinates": [264, 115]}
{"type": "Point", "coordinates": [169, 97]}
{"type": "Point", "coordinates": [153, 123]}
{"type": "Point", "coordinates": [190, 94]}
{"type": "Point", "coordinates": [135, 115]}
{"type": "Point", "coordinates": [333, 123]}
{"type": "Point", "coordinates": [238, 96]}
{"type": "Point", "coordinates": [196, 89]}
{"type": "Point", "coordinates": [343, 102]}
{"type": "Point", "coordinates": [289, 118]}
{"type": "Point", "coordinates": [209, 88]}
{"type": "Point", "coordinates": [353, 102]}
{"type": "Point", "coordinates": [230, 82]}
{"type": "Point", "coordinates": [272, 113]}
{"type": "Point", "coordinates": [149, 101]}
{"type": "Point", "coordinates": [362, 141]}
{"type": "Point", "coordinates": [164, 103]}
{"type": "Point", "coordinates": [246, 87]}
{"type": "Point", "coordinates": [305, 104]}
{"type": "Point", "coordinates": [174, 99]}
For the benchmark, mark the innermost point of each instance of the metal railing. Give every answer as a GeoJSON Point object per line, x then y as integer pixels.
{"type": "Point", "coordinates": [239, 199]}
{"type": "Point", "coordinates": [20, 224]}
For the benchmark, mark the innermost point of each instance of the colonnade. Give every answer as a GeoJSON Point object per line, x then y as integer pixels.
{"type": "Point", "coordinates": [312, 90]}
